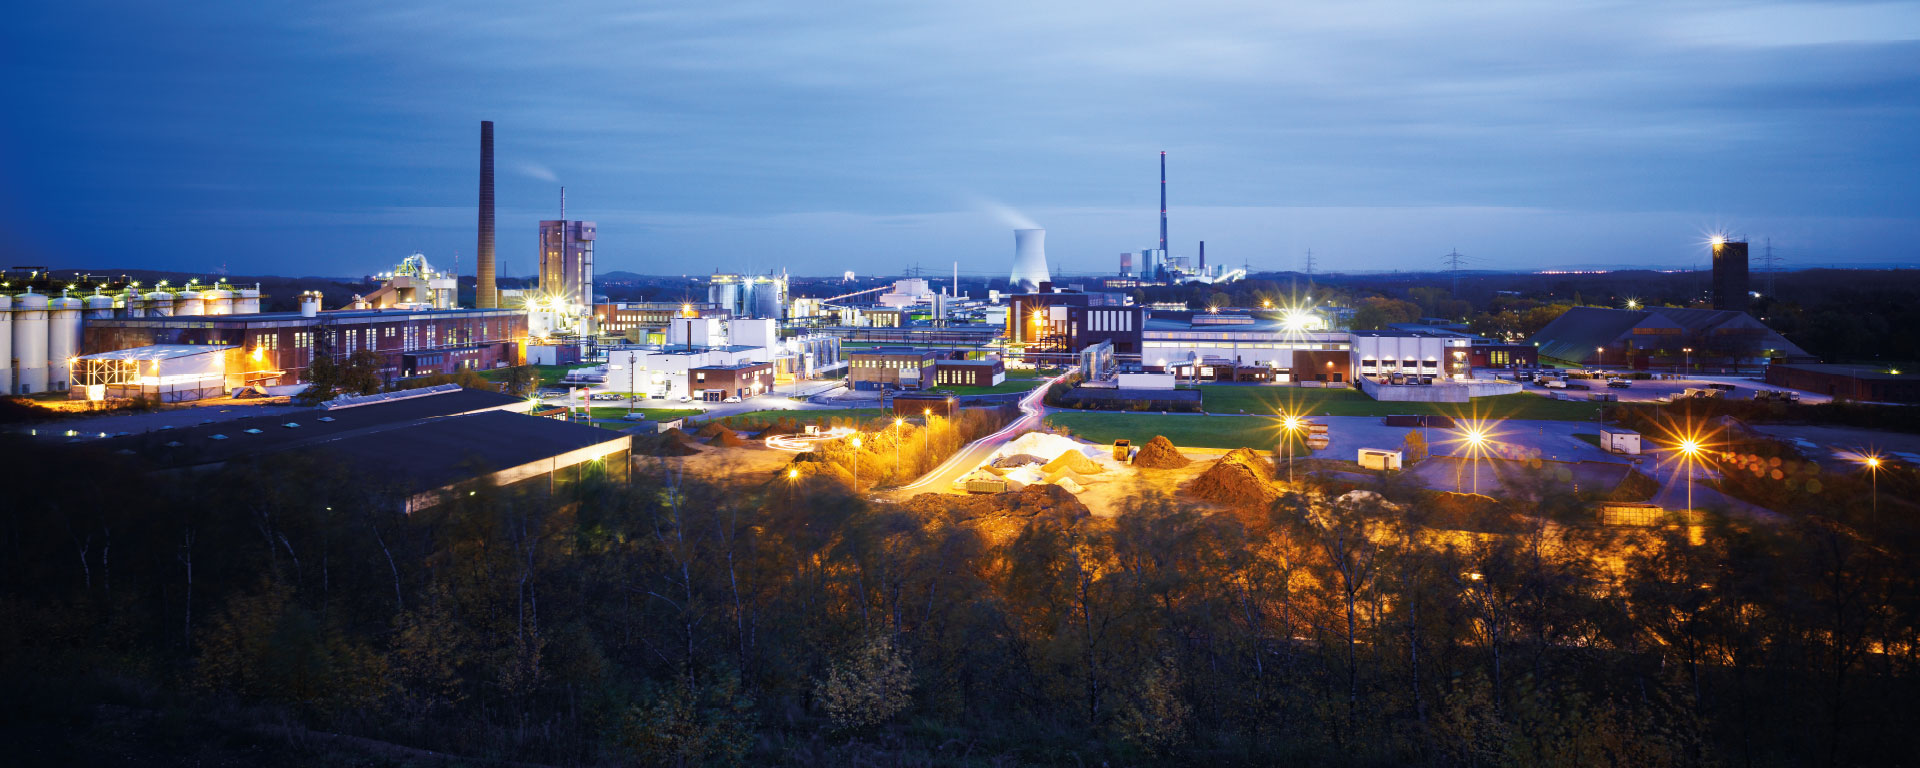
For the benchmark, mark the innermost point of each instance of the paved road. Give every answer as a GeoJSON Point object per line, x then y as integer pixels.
{"type": "Point", "coordinates": [941, 478]}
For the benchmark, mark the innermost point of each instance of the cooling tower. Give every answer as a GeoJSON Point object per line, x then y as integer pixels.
{"type": "Point", "coordinates": [1029, 260]}
{"type": "Point", "coordinates": [485, 294]}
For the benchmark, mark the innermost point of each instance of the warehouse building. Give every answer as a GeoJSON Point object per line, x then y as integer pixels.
{"type": "Point", "coordinates": [1663, 337]}
{"type": "Point", "coordinates": [1877, 384]}
{"type": "Point", "coordinates": [891, 368]}
{"type": "Point", "coordinates": [413, 446]}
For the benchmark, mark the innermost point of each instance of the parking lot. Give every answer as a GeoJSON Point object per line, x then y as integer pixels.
{"type": "Point", "coordinates": [1652, 390]}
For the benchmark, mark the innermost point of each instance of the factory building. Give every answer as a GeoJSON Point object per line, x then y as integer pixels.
{"type": "Point", "coordinates": [645, 322]}
{"type": "Point", "coordinates": [715, 383]}
{"type": "Point", "coordinates": [666, 373]}
{"type": "Point", "coordinates": [1409, 356]}
{"type": "Point", "coordinates": [413, 284]}
{"type": "Point", "coordinates": [40, 335]}
{"type": "Point", "coordinates": [1662, 337]}
{"type": "Point", "coordinates": [413, 447]}
{"type": "Point", "coordinates": [763, 296]}
{"type": "Point", "coordinates": [891, 368]}
{"type": "Point", "coordinates": [969, 373]}
{"type": "Point", "coordinates": [566, 269]}
{"type": "Point", "coordinates": [1875, 384]}
{"type": "Point", "coordinates": [1730, 283]}
{"type": "Point", "coordinates": [1052, 322]}
{"type": "Point", "coordinates": [405, 342]}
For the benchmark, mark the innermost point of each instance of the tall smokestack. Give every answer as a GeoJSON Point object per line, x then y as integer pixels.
{"type": "Point", "coordinates": [486, 295]}
{"type": "Point", "coordinates": [1163, 200]}
{"type": "Point", "coordinates": [1203, 257]}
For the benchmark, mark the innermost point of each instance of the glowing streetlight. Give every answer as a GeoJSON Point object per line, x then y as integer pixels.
{"type": "Point", "coordinates": [1290, 423]}
{"type": "Point", "coordinates": [926, 442]}
{"type": "Point", "coordinates": [856, 463]}
{"type": "Point", "coordinates": [1688, 351]}
{"type": "Point", "coordinates": [1689, 448]}
{"type": "Point", "coordinates": [1872, 463]}
{"type": "Point", "coordinates": [1476, 440]}
{"type": "Point", "coordinates": [897, 422]}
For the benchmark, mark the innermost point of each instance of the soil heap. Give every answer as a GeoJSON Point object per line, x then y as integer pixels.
{"type": "Point", "coordinates": [1074, 461]}
{"type": "Point", "coordinates": [1239, 479]}
{"type": "Point", "coordinates": [999, 517]}
{"type": "Point", "coordinates": [1159, 453]}
{"type": "Point", "coordinates": [1017, 460]}
{"type": "Point", "coordinates": [728, 438]}
{"type": "Point", "coordinates": [712, 429]}
{"type": "Point", "coordinates": [672, 442]}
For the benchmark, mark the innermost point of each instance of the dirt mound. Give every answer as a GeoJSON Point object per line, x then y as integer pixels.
{"type": "Point", "coordinates": [712, 429]}
{"type": "Point", "coordinates": [674, 435]}
{"type": "Point", "coordinates": [1017, 460]}
{"type": "Point", "coordinates": [664, 445]}
{"type": "Point", "coordinates": [1159, 453]}
{"type": "Point", "coordinates": [1467, 512]}
{"type": "Point", "coordinates": [1238, 479]}
{"type": "Point", "coordinates": [1000, 517]}
{"type": "Point", "coordinates": [1075, 461]}
{"type": "Point", "coordinates": [728, 438]}
{"type": "Point", "coordinates": [1636, 486]}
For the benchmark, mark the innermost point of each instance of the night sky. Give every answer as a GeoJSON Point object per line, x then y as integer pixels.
{"type": "Point", "coordinates": [335, 138]}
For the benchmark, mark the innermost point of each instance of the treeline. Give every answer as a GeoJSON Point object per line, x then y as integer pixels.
{"type": "Point", "coordinates": [673, 622]}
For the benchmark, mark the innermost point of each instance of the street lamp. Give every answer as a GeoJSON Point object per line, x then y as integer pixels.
{"type": "Point", "coordinates": [1873, 475]}
{"type": "Point", "coordinates": [1689, 450]}
{"type": "Point", "coordinates": [926, 441]}
{"type": "Point", "coordinates": [897, 421]}
{"type": "Point", "coordinates": [1476, 438]}
{"type": "Point", "coordinates": [1290, 423]}
{"type": "Point", "coordinates": [1688, 351]}
{"type": "Point", "coordinates": [856, 463]}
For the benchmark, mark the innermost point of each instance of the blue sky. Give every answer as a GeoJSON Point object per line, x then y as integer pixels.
{"type": "Point", "coordinates": [335, 138]}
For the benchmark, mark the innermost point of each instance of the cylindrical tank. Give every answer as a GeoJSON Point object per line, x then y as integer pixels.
{"type": "Point", "coordinates": [30, 343]}
{"type": "Point", "coordinates": [159, 304]}
{"type": "Point", "coordinates": [133, 305]}
{"type": "Point", "coordinates": [218, 301]}
{"type": "Point", "coordinates": [6, 344]}
{"type": "Point", "coordinates": [247, 302]}
{"type": "Point", "coordinates": [99, 305]}
{"type": "Point", "coordinates": [310, 304]}
{"type": "Point", "coordinates": [63, 340]}
{"type": "Point", "coordinates": [360, 302]}
{"type": "Point", "coordinates": [189, 304]}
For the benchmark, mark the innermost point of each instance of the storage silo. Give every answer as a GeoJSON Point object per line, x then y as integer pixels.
{"type": "Point", "coordinates": [310, 304]}
{"type": "Point", "coordinates": [6, 344]}
{"type": "Point", "coordinates": [766, 298]}
{"type": "Point", "coordinates": [63, 341]}
{"type": "Point", "coordinates": [159, 304]}
{"type": "Point", "coordinates": [100, 305]}
{"type": "Point", "coordinates": [189, 304]}
{"type": "Point", "coordinates": [218, 301]}
{"type": "Point", "coordinates": [133, 304]}
{"type": "Point", "coordinates": [30, 343]}
{"type": "Point", "coordinates": [247, 301]}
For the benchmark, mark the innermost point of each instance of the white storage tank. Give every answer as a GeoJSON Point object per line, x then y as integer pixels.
{"type": "Point", "coordinates": [189, 304]}
{"type": "Point", "coordinates": [160, 304]}
{"type": "Point", "coordinates": [247, 301]}
{"type": "Point", "coordinates": [133, 305]}
{"type": "Point", "coordinates": [63, 340]}
{"type": "Point", "coordinates": [6, 344]}
{"type": "Point", "coordinates": [310, 304]}
{"type": "Point", "coordinates": [218, 301]}
{"type": "Point", "coordinates": [100, 305]}
{"type": "Point", "coordinates": [30, 343]}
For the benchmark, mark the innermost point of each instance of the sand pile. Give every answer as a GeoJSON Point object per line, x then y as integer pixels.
{"type": "Point", "coordinates": [728, 438]}
{"type": "Point", "coordinates": [674, 435]}
{"type": "Point", "coordinates": [1467, 512]}
{"type": "Point", "coordinates": [672, 442]}
{"type": "Point", "coordinates": [1075, 462]}
{"type": "Point", "coordinates": [1238, 479]}
{"type": "Point", "coordinates": [1159, 453]}
{"type": "Point", "coordinates": [712, 429]}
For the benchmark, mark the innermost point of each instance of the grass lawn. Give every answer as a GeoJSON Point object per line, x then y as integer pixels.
{"type": "Point", "coordinates": [550, 375]}
{"type": "Point", "coordinates": [656, 414]}
{"type": "Point", "coordinates": [1192, 431]}
{"type": "Point", "coordinates": [1352, 402]}
{"type": "Point", "coordinates": [761, 418]}
{"type": "Point", "coordinates": [1010, 385]}
{"type": "Point", "coordinates": [1034, 373]}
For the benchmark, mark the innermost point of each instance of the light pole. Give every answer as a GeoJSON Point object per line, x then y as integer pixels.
{"type": "Point", "coordinates": [1476, 438]}
{"type": "Point", "coordinates": [926, 440]}
{"type": "Point", "coordinates": [1688, 351]}
{"type": "Point", "coordinates": [897, 421]}
{"type": "Point", "coordinates": [1290, 423]}
{"type": "Point", "coordinates": [1873, 475]}
{"type": "Point", "coordinates": [1599, 356]}
{"type": "Point", "coordinates": [1689, 448]}
{"type": "Point", "coordinates": [856, 463]}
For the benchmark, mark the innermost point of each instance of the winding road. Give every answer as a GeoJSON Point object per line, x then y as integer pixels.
{"type": "Point", "coordinates": [941, 478]}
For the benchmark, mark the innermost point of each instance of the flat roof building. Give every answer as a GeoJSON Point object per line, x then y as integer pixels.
{"type": "Point", "coordinates": [1662, 336]}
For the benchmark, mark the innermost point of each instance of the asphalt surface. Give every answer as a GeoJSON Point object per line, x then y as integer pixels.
{"type": "Point", "coordinates": [941, 478]}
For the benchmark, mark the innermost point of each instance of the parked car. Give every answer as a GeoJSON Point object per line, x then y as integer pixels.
{"type": "Point", "coordinates": [1619, 383]}
{"type": "Point", "coordinates": [686, 398]}
{"type": "Point", "coordinates": [733, 399]}
{"type": "Point", "coordinates": [1555, 383]}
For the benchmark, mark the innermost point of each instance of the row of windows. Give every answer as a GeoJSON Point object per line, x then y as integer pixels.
{"type": "Point", "coordinates": [1192, 345]}
{"type": "Point", "coordinates": [1403, 363]}
{"type": "Point", "coordinates": [900, 364]}
{"type": "Point", "coordinates": [1109, 320]}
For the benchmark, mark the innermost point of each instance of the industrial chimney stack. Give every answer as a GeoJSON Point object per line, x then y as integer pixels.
{"type": "Point", "coordinates": [485, 294]}
{"type": "Point", "coordinates": [1163, 201]}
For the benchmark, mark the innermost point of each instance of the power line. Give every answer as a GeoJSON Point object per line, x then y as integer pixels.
{"type": "Point", "coordinates": [1453, 260]}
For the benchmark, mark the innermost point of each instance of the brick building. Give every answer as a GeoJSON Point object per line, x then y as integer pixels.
{"type": "Point", "coordinates": [407, 342]}
{"type": "Point", "coordinates": [969, 373]}
{"type": "Point", "coordinates": [891, 369]}
{"type": "Point", "coordinates": [719, 382]}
